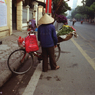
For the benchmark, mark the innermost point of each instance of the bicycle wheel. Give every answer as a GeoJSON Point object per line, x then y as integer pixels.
{"type": "Point", "coordinates": [19, 62]}
{"type": "Point", "coordinates": [57, 52]}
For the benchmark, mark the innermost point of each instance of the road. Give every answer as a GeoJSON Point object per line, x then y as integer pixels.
{"type": "Point", "coordinates": [76, 75]}
{"type": "Point", "coordinates": [86, 38]}
{"type": "Point", "coordinates": [86, 31]}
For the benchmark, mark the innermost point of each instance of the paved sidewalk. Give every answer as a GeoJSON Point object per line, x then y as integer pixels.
{"type": "Point", "coordinates": [8, 45]}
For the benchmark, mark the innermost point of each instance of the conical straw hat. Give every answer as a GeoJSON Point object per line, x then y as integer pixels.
{"type": "Point", "coordinates": [46, 19]}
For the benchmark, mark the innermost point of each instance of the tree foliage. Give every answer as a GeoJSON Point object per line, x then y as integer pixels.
{"type": "Point", "coordinates": [81, 9]}
{"type": "Point", "coordinates": [78, 16]}
{"type": "Point", "coordinates": [92, 7]}
{"type": "Point", "coordinates": [89, 2]}
{"type": "Point", "coordinates": [59, 7]}
{"type": "Point", "coordinates": [87, 10]}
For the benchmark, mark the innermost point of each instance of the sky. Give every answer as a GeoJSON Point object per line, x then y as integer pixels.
{"type": "Point", "coordinates": [70, 3]}
{"type": "Point", "coordinates": [79, 2]}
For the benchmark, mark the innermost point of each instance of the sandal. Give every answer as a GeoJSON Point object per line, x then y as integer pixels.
{"type": "Point", "coordinates": [57, 67]}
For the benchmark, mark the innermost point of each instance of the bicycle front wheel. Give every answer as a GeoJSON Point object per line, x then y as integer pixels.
{"type": "Point", "coordinates": [20, 62]}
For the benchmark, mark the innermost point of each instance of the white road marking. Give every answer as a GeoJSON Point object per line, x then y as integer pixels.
{"type": "Point", "coordinates": [91, 62]}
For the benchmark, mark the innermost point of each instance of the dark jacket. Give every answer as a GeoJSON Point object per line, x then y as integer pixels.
{"type": "Point", "coordinates": [47, 35]}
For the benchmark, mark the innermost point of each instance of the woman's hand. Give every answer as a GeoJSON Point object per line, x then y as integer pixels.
{"type": "Point", "coordinates": [55, 46]}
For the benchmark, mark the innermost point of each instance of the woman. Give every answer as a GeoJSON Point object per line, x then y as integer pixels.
{"type": "Point", "coordinates": [33, 25]}
{"type": "Point", "coordinates": [74, 20]}
{"type": "Point", "coordinates": [48, 39]}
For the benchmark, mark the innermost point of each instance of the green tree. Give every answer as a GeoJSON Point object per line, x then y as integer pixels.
{"type": "Point", "coordinates": [89, 2]}
{"type": "Point", "coordinates": [73, 13]}
{"type": "Point", "coordinates": [92, 7]}
{"type": "Point", "coordinates": [59, 7]}
{"type": "Point", "coordinates": [82, 9]}
{"type": "Point", "coordinates": [80, 12]}
{"type": "Point", "coordinates": [89, 7]}
{"type": "Point", "coordinates": [91, 10]}
{"type": "Point", "coordinates": [87, 10]}
{"type": "Point", "coordinates": [85, 16]}
{"type": "Point", "coordinates": [78, 16]}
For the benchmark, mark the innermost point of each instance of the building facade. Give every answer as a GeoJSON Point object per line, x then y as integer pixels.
{"type": "Point", "coordinates": [14, 14]}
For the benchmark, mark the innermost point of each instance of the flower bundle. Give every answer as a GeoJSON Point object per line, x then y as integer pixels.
{"type": "Point", "coordinates": [66, 29]}
{"type": "Point", "coordinates": [61, 19]}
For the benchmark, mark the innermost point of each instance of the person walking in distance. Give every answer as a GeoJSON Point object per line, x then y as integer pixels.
{"type": "Point", "coordinates": [74, 20]}
{"type": "Point", "coordinates": [48, 39]}
{"type": "Point", "coordinates": [33, 24]}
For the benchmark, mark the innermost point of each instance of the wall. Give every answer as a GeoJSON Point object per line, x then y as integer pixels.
{"type": "Point", "coordinates": [7, 29]}
{"type": "Point", "coordinates": [19, 15]}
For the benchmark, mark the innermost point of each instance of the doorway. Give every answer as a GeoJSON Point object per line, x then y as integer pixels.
{"type": "Point", "coordinates": [14, 15]}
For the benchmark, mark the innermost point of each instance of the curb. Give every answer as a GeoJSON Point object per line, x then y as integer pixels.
{"type": "Point", "coordinates": [6, 75]}
{"type": "Point", "coordinates": [29, 90]}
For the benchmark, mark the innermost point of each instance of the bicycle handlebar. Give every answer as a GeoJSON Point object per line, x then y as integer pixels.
{"type": "Point", "coordinates": [31, 32]}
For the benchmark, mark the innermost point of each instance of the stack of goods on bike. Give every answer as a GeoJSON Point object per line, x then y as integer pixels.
{"type": "Point", "coordinates": [29, 42]}
{"type": "Point", "coordinates": [21, 42]}
{"type": "Point", "coordinates": [66, 32]}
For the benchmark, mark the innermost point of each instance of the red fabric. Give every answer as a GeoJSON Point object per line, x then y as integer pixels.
{"type": "Point", "coordinates": [50, 1]}
{"type": "Point", "coordinates": [50, 6]}
{"type": "Point", "coordinates": [31, 43]}
{"type": "Point", "coordinates": [20, 39]}
{"type": "Point", "coordinates": [29, 30]}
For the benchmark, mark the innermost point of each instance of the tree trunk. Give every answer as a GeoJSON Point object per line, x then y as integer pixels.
{"type": "Point", "coordinates": [59, 4]}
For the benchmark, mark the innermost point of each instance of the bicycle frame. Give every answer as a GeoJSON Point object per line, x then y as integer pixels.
{"type": "Point", "coordinates": [36, 53]}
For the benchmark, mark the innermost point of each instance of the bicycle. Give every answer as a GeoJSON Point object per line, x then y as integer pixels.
{"type": "Point", "coordinates": [20, 62]}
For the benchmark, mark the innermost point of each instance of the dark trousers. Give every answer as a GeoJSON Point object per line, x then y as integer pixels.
{"type": "Point", "coordinates": [73, 23]}
{"type": "Point", "coordinates": [48, 52]}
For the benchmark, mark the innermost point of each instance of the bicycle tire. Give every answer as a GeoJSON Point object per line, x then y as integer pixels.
{"type": "Point", "coordinates": [57, 52]}
{"type": "Point", "coordinates": [20, 62]}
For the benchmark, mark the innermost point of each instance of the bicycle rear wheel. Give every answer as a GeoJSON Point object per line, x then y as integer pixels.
{"type": "Point", "coordinates": [20, 62]}
{"type": "Point", "coordinates": [57, 52]}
